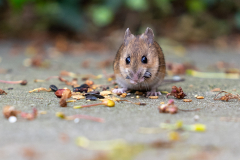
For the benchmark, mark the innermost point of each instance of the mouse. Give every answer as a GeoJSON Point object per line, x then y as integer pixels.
{"type": "Point", "coordinates": [139, 64]}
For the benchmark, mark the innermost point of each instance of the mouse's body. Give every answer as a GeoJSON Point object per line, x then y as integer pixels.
{"type": "Point", "coordinates": [139, 63]}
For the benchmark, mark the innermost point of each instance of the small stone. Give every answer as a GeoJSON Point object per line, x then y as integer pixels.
{"type": "Point", "coordinates": [12, 119]}
{"type": "Point", "coordinates": [32, 105]}
{"type": "Point", "coordinates": [196, 117]}
{"type": "Point", "coordinates": [196, 95]}
{"type": "Point", "coordinates": [76, 120]}
{"type": "Point", "coordinates": [137, 96]}
{"type": "Point", "coordinates": [176, 78]}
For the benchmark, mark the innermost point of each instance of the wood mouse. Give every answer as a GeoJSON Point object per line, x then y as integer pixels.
{"type": "Point", "coordinates": [139, 63]}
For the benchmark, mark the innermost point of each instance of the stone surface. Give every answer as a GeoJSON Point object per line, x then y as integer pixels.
{"type": "Point", "coordinates": [43, 135]}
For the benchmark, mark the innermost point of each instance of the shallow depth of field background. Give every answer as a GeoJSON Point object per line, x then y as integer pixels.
{"type": "Point", "coordinates": [212, 22]}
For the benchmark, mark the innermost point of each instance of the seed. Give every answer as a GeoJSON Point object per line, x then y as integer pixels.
{"type": "Point", "coordinates": [42, 112]}
{"type": "Point", "coordinates": [153, 97]}
{"type": "Point", "coordinates": [53, 88]}
{"type": "Point", "coordinates": [123, 95]}
{"type": "Point", "coordinates": [24, 82]}
{"type": "Point", "coordinates": [198, 127]}
{"type": "Point", "coordinates": [161, 102]}
{"type": "Point", "coordinates": [174, 136]}
{"type": "Point", "coordinates": [200, 97]}
{"type": "Point", "coordinates": [82, 88]}
{"type": "Point", "coordinates": [105, 93]}
{"type": "Point", "coordinates": [71, 101]}
{"type": "Point", "coordinates": [187, 100]}
{"type": "Point", "coordinates": [59, 93]}
{"type": "Point", "coordinates": [139, 93]}
{"type": "Point", "coordinates": [137, 96]}
{"type": "Point", "coordinates": [60, 115]}
{"type": "Point", "coordinates": [196, 95]}
{"type": "Point", "coordinates": [89, 82]}
{"type": "Point", "coordinates": [216, 90]}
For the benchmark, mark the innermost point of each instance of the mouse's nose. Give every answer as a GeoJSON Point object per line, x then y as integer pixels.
{"type": "Point", "coordinates": [135, 77]}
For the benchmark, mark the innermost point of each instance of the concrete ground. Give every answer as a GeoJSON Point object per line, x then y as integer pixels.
{"type": "Point", "coordinates": [49, 137]}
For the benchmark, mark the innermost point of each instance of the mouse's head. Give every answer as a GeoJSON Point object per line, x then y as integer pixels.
{"type": "Point", "coordinates": [139, 61]}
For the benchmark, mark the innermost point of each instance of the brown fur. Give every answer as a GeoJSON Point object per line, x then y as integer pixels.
{"type": "Point", "coordinates": [136, 47]}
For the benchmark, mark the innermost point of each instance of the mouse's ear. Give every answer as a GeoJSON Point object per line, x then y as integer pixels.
{"type": "Point", "coordinates": [128, 36]}
{"type": "Point", "coordinates": [148, 35]}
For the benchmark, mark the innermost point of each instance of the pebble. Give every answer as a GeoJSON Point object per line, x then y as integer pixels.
{"type": "Point", "coordinates": [176, 78]}
{"type": "Point", "coordinates": [12, 119]}
{"type": "Point", "coordinates": [196, 117]}
{"type": "Point", "coordinates": [76, 120]}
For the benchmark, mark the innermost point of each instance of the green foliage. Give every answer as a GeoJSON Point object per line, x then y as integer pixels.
{"type": "Point", "coordinates": [101, 15]}
{"type": "Point", "coordinates": [202, 18]}
{"type": "Point", "coordinates": [17, 4]}
{"type": "Point", "coordinates": [196, 6]}
{"type": "Point", "coordinates": [237, 19]}
{"type": "Point", "coordinates": [138, 5]}
{"type": "Point", "coordinates": [164, 5]}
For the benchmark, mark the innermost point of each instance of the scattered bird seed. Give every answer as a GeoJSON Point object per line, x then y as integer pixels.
{"type": "Point", "coordinates": [200, 97]}
{"type": "Point", "coordinates": [153, 97]}
{"type": "Point", "coordinates": [177, 92]}
{"type": "Point", "coordinates": [91, 97]}
{"type": "Point", "coordinates": [82, 88]}
{"type": "Point", "coordinates": [53, 88]}
{"type": "Point", "coordinates": [187, 100]}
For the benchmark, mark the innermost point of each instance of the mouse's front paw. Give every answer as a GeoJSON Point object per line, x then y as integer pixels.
{"type": "Point", "coordinates": [153, 94]}
{"type": "Point", "coordinates": [119, 90]}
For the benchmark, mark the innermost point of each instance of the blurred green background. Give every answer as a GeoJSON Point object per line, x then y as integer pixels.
{"type": "Point", "coordinates": [190, 21]}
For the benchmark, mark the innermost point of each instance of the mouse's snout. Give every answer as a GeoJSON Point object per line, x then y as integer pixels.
{"type": "Point", "coordinates": [136, 77]}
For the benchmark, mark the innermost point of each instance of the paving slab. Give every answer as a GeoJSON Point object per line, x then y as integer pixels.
{"type": "Point", "coordinates": [44, 135]}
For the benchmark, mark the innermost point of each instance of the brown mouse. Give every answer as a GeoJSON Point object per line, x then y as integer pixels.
{"type": "Point", "coordinates": [139, 63]}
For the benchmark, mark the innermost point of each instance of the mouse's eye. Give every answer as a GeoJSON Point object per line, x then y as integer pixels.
{"type": "Point", "coordinates": [144, 59]}
{"type": "Point", "coordinates": [128, 60]}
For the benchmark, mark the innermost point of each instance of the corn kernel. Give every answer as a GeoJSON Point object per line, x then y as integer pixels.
{"type": "Point", "coordinates": [174, 136]}
{"type": "Point", "coordinates": [199, 127]}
